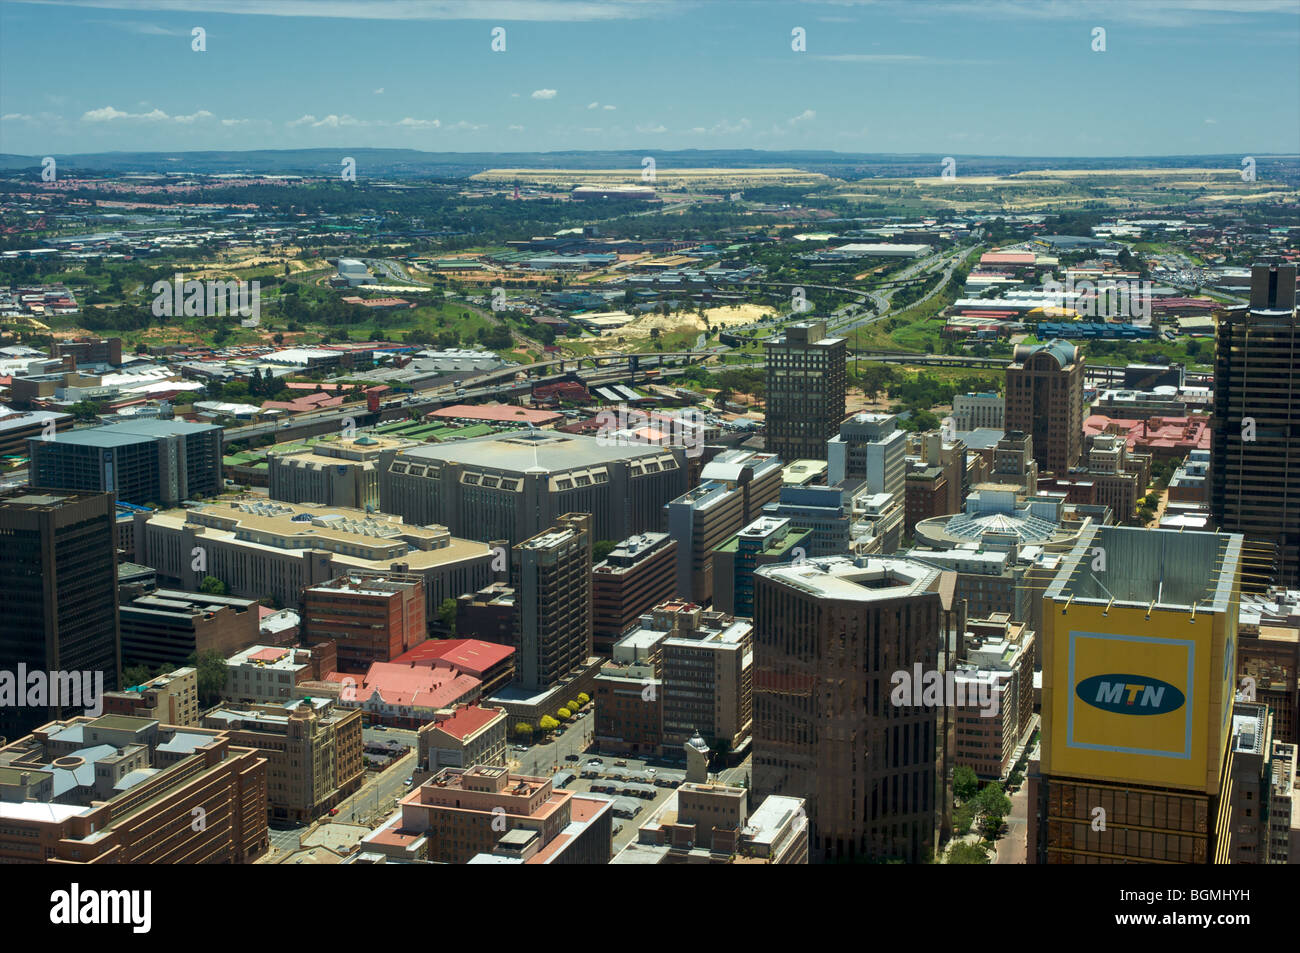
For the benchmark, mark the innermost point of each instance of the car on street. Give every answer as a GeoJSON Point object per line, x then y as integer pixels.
{"type": "Point", "coordinates": [620, 764]}
{"type": "Point", "coordinates": [409, 781]}
{"type": "Point", "coordinates": [572, 757]}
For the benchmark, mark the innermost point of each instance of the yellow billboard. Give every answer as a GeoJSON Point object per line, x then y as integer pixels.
{"type": "Point", "coordinates": [1135, 697]}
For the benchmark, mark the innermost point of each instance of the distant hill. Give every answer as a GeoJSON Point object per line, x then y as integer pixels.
{"type": "Point", "coordinates": [412, 163]}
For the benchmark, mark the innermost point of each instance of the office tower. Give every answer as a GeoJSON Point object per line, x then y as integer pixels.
{"type": "Point", "coordinates": [513, 485]}
{"type": "Point", "coordinates": [992, 722]}
{"type": "Point", "coordinates": [313, 751]}
{"type": "Point", "coordinates": [1249, 786]}
{"type": "Point", "coordinates": [734, 488]}
{"type": "Point", "coordinates": [974, 410]}
{"type": "Point", "coordinates": [869, 447]}
{"type": "Point", "coordinates": [805, 390]}
{"type": "Point", "coordinates": [58, 578]}
{"type": "Point", "coordinates": [551, 576]}
{"type": "Point", "coordinates": [1140, 638]}
{"type": "Point", "coordinates": [1045, 400]}
{"type": "Point", "coordinates": [374, 617]}
{"type": "Point", "coordinates": [143, 462]}
{"type": "Point", "coordinates": [1255, 468]}
{"type": "Point", "coordinates": [125, 790]}
{"type": "Point", "coordinates": [637, 574]}
{"type": "Point", "coordinates": [829, 635]}
{"type": "Point", "coordinates": [765, 541]}
{"type": "Point", "coordinates": [1014, 464]}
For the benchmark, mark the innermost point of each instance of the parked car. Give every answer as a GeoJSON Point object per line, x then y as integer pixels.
{"type": "Point", "coordinates": [572, 757]}
{"type": "Point", "coordinates": [620, 764]}
{"type": "Point", "coordinates": [409, 781]}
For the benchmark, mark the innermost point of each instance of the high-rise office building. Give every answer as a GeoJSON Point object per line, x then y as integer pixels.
{"type": "Point", "coordinates": [1045, 400]}
{"type": "Point", "coordinates": [637, 574]}
{"type": "Point", "coordinates": [870, 448]}
{"type": "Point", "coordinates": [829, 636]}
{"type": "Point", "coordinates": [551, 576]}
{"type": "Point", "coordinates": [1140, 637]}
{"type": "Point", "coordinates": [58, 577]}
{"type": "Point", "coordinates": [1255, 465]}
{"type": "Point", "coordinates": [142, 462]}
{"type": "Point", "coordinates": [806, 379]}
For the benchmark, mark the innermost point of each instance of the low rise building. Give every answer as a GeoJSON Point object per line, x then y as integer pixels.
{"type": "Point", "coordinates": [372, 616]}
{"type": "Point", "coordinates": [172, 699]}
{"type": "Point", "coordinates": [312, 748]}
{"type": "Point", "coordinates": [124, 790]}
{"type": "Point", "coordinates": [462, 737]}
{"type": "Point", "coordinates": [337, 472]}
{"type": "Point", "coordinates": [167, 626]}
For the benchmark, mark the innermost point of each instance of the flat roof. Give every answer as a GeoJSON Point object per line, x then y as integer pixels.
{"type": "Point", "coordinates": [532, 451]}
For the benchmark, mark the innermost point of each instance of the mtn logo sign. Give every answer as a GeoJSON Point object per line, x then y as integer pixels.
{"type": "Point", "coordinates": [1130, 694]}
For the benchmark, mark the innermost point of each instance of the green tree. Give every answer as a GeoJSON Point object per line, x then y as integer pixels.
{"type": "Point", "coordinates": [992, 801]}
{"type": "Point", "coordinates": [964, 783]}
{"type": "Point", "coordinates": [548, 724]}
{"type": "Point", "coordinates": [523, 730]}
{"type": "Point", "coordinates": [583, 698]}
{"type": "Point", "coordinates": [214, 586]}
{"type": "Point", "coordinates": [572, 705]}
{"type": "Point", "coordinates": [211, 675]}
{"type": "Point", "coordinates": [447, 614]}
{"type": "Point", "coordinates": [968, 854]}
{"type": "Point", "coordinates": [601, 548]}
{"type": "Point", "coordinates": [564, 714]}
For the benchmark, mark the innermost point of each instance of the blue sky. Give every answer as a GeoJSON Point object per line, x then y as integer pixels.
{"type": "Point", "coordinates": [982, 77]}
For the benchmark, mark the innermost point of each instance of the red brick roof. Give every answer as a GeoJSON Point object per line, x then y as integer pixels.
{"type": "Point", "coordinates": [467, 720]}
{"type": "Point", "coordinates": [470, 655]}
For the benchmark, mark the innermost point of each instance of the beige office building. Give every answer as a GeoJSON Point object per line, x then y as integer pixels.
{"type": "Point", "coordinates": [261, 548]}
{"type": "Point", "coordinates": [313, 752]}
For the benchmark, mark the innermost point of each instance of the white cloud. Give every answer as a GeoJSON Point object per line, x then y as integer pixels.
{"type": "Point", "coordinates": [379, 91]}
{"type": "Point", "coordinates": [544, 94]}
{"type": "Point", "coordinates": [514, 128]}
{"type": "Point", "coordinates": [649, 129]}
{"type": "Point", "coordinates": [15, 117]}
{"type": "Point", "coordinates": [410, 123]}
{"type": "Point", "coordinates": [593, 105]}
{"type": "Point", "coordinates": [808, 115]}
{"type": "Point", "coordinates": [109, 113]}
{"type": "Point", "coordinates": [194, 117]}
{"type": "Point", "coordinates": [608, 108]}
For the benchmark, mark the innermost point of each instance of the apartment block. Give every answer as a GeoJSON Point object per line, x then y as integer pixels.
{"type": "Point", "coordinates": [765, 541]}
{"type": "Point", "coordinates": [551, 576]}
{"type": "Point", "coordinates": [995, 712]}
{"type": "Point", "coordinates": [869, 448]}
{"type": "Point", "coordinates": [265, 674]}
{"type": "Point", "coordinates": [462, 813]}
{"type": "Point", "coordinates": [973, 410]}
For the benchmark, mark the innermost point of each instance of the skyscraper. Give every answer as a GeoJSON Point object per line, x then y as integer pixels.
{"type": "Point", "coordinates": [829, 635]}
{"type": "Point", "coordinates": [1255, 455]}
{"type": "Point", "coordinates": [1139, 672]}
{"type": "Point", "coordinates": [1045, 400]}
{"type": "Point", "coordinates": [551, 575]}
{"type": "Point", "coordinates": [58, 576]}
{"type": "Point", "coordinates": [805, 390]}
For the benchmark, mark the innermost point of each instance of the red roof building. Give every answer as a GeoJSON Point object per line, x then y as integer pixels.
{"type": "Point", "coordinates": [490, 662]}
{"type": "Point", "coordinates": [1165, 438]}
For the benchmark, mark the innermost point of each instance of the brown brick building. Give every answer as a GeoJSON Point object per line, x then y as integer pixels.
{"type": "Point", "coordinates": [374, 617]}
